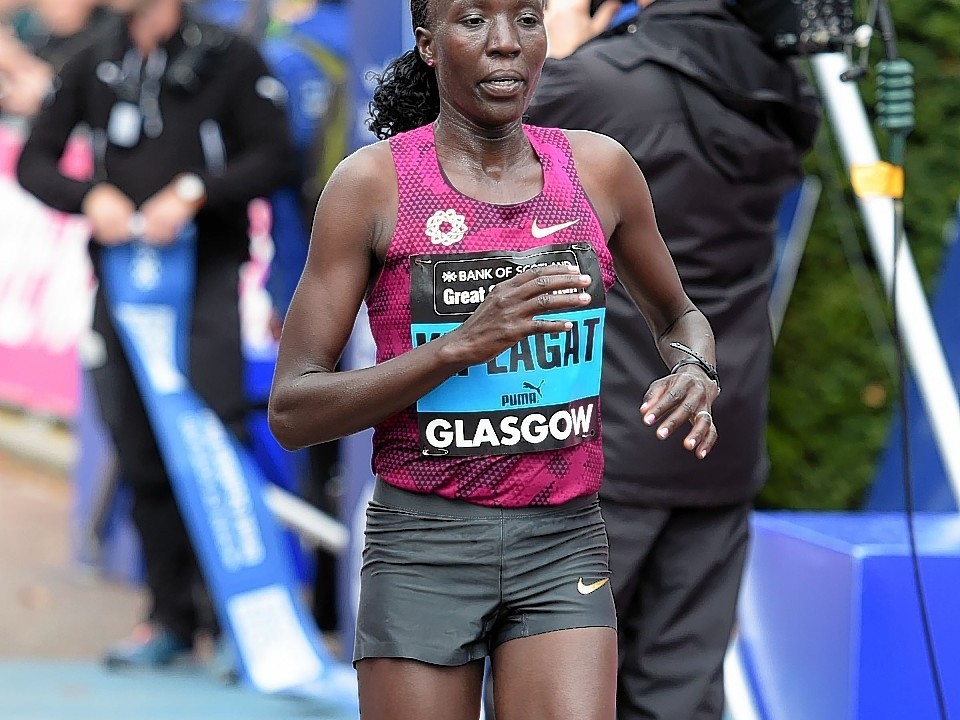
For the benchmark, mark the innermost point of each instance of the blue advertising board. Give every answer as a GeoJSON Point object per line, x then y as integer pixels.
{"type": "Point", "coordinates": [830, 623]}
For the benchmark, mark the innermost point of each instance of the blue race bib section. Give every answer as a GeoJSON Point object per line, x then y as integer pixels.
{"type": "Point", "coordinates": [217, 484]}
{"type": "Point", "coordinates": [540, 394]}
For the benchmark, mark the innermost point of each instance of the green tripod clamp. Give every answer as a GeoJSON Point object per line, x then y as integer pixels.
{"type": "Point", "coordinates": [895, 106]}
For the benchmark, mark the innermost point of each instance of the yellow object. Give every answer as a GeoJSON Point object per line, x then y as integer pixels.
{"type": "Point", "coordinates": [878, 180]}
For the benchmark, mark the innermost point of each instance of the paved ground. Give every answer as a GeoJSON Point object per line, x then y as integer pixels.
{"type": "Point", "coordinates": [82, 691]}
{"type": "Point", "coordinates": [50, 607]}
{"type": "Point", "coordinates": [56, 616]}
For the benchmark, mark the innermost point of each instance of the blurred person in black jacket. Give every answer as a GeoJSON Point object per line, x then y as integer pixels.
{"type": "Point", "coordinates": [718, 127]}
{"type": "Point", "coordinates": [24, 78]}
{"type": "Point", "coordinates": [187, 125]}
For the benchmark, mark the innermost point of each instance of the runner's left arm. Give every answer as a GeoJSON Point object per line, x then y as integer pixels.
{"type": "Point", "coordinates": [645, 268]}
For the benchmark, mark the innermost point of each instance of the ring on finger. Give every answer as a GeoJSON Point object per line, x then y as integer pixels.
{"type": "Point", "coordinates": [704, 412]}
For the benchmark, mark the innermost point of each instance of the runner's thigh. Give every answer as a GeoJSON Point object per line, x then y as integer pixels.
{"type": "Point", "coordinates": [398, 689]}
{"type": "Point", "coordinates": [557, 676]}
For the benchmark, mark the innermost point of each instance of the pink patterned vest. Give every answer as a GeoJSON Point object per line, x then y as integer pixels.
{"type": "Point", "coordinates": [524, 428]}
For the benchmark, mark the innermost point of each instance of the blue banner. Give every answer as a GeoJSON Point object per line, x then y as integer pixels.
{"type": "Point", "coordinates": [217, 484]}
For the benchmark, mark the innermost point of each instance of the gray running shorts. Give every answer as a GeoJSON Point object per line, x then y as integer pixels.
{"type": "Point", "coordinates": [445, 581]}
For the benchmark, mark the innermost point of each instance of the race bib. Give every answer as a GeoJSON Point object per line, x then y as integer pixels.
{"type": "Point", "coordinates": [541, 394]}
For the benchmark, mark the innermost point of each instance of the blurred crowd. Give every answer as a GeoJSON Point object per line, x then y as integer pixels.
{"type": "Point", "coordinates": [36, 38]}
{"type": "Point", "coordinates": [302, 43]}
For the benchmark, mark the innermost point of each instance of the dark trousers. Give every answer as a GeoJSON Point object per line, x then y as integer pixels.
{"type": "Point", "coordinates": [676, 577]}
{"type": "Point", "coordinates": [178, 597]}
{"type": "Point", "coordinates": [323, 490]}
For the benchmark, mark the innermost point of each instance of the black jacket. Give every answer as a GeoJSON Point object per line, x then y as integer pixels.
{"type": "Point", "coordinates": [718, 127]}
{"type": "Point", "coordinates": [235, 105]}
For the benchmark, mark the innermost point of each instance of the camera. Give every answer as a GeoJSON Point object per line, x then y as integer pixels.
{"type": "Point", "coordinates": [790, 27]}
{"type": "Point", "coordinates": [799, 27]}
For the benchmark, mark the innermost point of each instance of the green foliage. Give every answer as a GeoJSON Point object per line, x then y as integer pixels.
{"type": "Point", "coordinates": [833, 394]}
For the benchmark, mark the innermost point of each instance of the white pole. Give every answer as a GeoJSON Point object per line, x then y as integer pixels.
{"type": "Point", "coordinates": [738, 696]}
{"type": "Point", "coordinates": [317, 528]}
{"type": "Point", "coordinates": [855, 137]}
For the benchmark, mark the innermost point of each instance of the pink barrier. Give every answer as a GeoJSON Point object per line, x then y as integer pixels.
{"type": "Point", "coordinates": [46, 289]}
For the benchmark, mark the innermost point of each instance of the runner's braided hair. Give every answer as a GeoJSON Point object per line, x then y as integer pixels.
{"type": "Point", "coordinates": [406, 96]}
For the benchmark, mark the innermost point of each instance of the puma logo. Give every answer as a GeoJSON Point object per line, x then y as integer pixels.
{"type": "Point", "coordinates": [536, 388]}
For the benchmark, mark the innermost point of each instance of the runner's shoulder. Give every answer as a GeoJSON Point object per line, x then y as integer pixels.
{"type": "Point", "coordinates": [592, 149]}
{"type": "Point", "coordinates": [368, 172]}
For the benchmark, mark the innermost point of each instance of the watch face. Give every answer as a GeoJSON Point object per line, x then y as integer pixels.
{"type": "Point", "coordinates": [190, 188]}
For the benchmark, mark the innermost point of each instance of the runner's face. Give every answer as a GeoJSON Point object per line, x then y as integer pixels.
{"type": "Point", "coordinates": [487, 55]}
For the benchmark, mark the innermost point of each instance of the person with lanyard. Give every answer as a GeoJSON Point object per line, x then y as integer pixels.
{"type": "Point", "coordinates": [187, 126]}
{"type": "Point", "coordinates": [718, 125]}
{"type": "Point", "coordinates": [483, 248]}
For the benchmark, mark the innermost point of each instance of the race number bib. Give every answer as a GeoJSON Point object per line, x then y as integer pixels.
{"type": "Point", "coordinates": [540, 394]}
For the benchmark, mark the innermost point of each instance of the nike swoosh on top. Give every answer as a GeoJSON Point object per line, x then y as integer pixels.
{"type": "Point", "coordinates": [539, 233]}
{"type": "Point", "coordinates": [585, 589]}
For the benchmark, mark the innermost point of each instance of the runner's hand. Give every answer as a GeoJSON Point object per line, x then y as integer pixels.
{"type": "Point", "coordinates": [506, 315]}
{"type": "Point", "coordinates": [686, 395]}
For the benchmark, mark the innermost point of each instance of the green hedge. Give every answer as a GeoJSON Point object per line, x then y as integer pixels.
{"type": "Point", "coordinates": [833, 392]}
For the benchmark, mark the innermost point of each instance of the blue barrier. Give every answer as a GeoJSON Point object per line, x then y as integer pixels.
{"type": "Point", "coordinates": [932, 489]}
{"type": "Point", "coordinates": [217, 484]}
{"type": "Point", "coordinates": [102, 534]}
{"type": "Point", "coordinates": [829, 615]}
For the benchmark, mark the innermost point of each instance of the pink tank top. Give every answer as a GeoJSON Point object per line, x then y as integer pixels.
{"type": "Point", "coordinates": [524, 428]}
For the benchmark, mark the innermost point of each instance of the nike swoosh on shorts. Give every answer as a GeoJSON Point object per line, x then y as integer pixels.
{"type": "Point", "coordinates": [585, 589]}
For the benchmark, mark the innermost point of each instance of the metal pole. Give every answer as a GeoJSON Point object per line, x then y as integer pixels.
{"type": "Point", "coordinates": [738, 694]}
{"type": "Point", "coordinates": [317, 528]}
{"type": "Point", "coordinates": [937, 390]}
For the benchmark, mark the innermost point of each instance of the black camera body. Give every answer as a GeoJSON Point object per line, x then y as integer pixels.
{"type": "Point", "coordinates": [799, 27]}
{"type": "Point", "coordinates": [793, 27]}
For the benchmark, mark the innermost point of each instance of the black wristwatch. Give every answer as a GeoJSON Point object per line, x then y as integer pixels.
{"type": "Point", "coordinates": [695, 359]}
